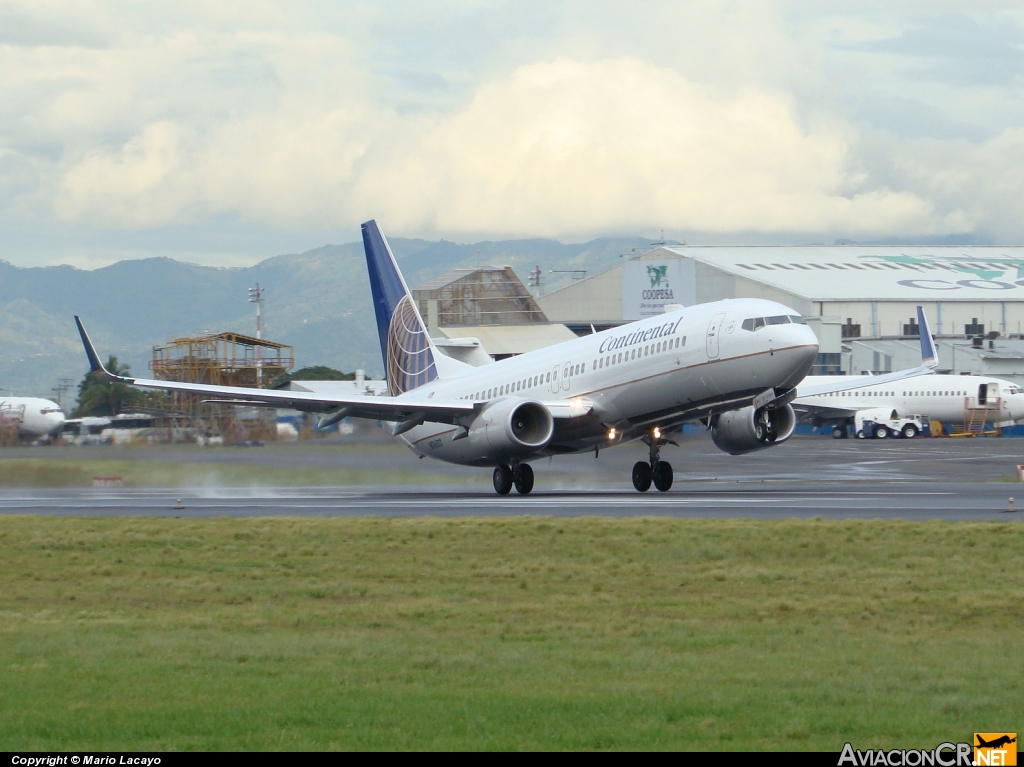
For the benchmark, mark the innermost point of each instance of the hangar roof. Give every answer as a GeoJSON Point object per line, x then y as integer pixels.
{"type": "Point", "coordinates": [866, 273]}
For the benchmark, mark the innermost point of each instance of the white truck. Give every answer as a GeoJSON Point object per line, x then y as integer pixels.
{"type": "Point", "coordinates": [880, 423]}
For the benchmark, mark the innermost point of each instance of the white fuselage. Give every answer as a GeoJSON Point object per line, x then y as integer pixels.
{"type": "Point", "coordinates": [637, 376]}
{"type": "Point", "coordinates": [37, 417]}
{"type": "Point", "coordinates": [938, 397]}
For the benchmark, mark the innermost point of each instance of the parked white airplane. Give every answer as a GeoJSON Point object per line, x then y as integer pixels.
{"type": "Point", "coordinates": [37, 418]}
{"type": "Point", "coordinates": [733, 364]}
{"type": "Point", "coordinates": [938, 397]}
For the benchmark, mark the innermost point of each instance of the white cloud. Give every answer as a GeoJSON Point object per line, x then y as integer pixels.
{"type": "Point", "coordinates": [558, 148]}
{"type": "Point", "coordinates": [498, 119]}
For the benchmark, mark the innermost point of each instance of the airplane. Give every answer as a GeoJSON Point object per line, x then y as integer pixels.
{"type": "Point", "coordinates": [37, 418]}
{"type": "Point", "coordinates": [732, 364]}
{"type": "Point", "coordinates": [941, 397]}
{"type": "Point", "coordinates": [1002, 740]}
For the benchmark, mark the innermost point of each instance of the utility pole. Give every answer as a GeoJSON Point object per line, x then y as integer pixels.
{"type": "Point", "coordinates": [535, 279]}
{"type": "Point", "coordinates": [256, 297]}
{"type": "Point", "coordinates": [61, 389]}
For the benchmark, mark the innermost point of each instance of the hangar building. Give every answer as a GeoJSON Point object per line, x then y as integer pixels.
{"type": "Point", "coordinates": [847, 292]}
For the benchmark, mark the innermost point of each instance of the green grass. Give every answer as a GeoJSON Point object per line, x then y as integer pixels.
{"type": "Point", "coordinates": [45, 472]}
{"type": "Point", "coordinates": [529, 633]}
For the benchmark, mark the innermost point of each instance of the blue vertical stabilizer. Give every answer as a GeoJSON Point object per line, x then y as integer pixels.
{"type": "Point", "coordinates": [929, 355]}
{"type": "Point", "coordinates": [404, 343]}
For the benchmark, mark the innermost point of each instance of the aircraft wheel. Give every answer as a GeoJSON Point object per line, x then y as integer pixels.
{"type": "Point", "coordinates": [663, 476]}
{"type": "Point", "coordinates": [502, 479]}
{"type": "Point", "coordinates": [523, 478]}
{"type": "Point", "coordinates": [881, 432]}
{"type": "Point", "coordinates": [909, 431]}
{"type": "Point", "coordinates": [838, 432]}
{"type": "Point", "coordinates": [642, 476]}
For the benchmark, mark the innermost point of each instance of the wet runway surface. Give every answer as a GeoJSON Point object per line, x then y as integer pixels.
{"type": "Point", "coordinates": [807, 477]}
{"type": "Point", "coordinates": [742, 500]}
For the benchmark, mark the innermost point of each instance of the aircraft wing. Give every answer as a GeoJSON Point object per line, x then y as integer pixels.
{"type": "Point", "coordinates": [929, 362]}
{"type": "Point", "coordinates": [406, 412]}
{"type": "Point", "coordinates": [398, 409]}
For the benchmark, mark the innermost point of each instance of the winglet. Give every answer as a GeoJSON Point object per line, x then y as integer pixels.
{"type": "Point", "coordinates": [95, 365]}
{"type": "Point", "coordinates": [929, 354]}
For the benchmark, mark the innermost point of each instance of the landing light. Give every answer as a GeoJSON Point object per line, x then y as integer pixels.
{"type": "Point", "coordinates": [657, 433]}
{"type": "Point", "coordinates": [611, 434]}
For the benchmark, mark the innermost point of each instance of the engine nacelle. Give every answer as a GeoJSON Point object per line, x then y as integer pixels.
{"type": "Point", "coordinates": [743, 431]}
{"type": "Point", "coordinates": [512, 427]}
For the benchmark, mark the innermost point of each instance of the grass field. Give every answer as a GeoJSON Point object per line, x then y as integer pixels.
{"type": "Point", "coordinates": [506, 633]}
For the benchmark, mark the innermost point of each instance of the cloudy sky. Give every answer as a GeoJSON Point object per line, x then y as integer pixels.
{"type": "Point", "coordinates": [225, 132]}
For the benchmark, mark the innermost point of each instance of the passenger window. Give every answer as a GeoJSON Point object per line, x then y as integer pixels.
{"type": "Point", "coordinates": [620, 356]}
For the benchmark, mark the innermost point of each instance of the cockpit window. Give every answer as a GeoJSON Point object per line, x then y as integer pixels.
{"type": "Point", "coordinates": [796, 319]}
{"type": "Point", "coordinates": [756, 323]}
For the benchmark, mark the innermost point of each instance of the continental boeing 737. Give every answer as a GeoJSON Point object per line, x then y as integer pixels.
{"type": "Point", "coordinates": [734, 365]}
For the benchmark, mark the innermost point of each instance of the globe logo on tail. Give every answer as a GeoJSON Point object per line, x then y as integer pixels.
{"type": "Point", "coordinates": [410, 363]}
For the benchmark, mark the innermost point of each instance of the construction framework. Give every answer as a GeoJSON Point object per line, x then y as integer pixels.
{"type": "Point", "coordinates": [485, 295]}
{"type": "Point", "coordinates": [220, 359]}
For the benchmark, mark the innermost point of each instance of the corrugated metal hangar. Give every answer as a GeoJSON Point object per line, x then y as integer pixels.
{"type": "Point", "coordinates": [970, 294]}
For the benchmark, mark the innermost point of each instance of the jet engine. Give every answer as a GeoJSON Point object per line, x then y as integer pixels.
{"type": "Point", "coordinates": [512, 427]}
{"type": "Point", "coordinates": [743, 431]}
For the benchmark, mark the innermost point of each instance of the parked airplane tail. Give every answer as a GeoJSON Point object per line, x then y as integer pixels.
{"type": "Point", "coordinates": [929, 355]}
{"type": "Point", "coordinates": [410, 358]}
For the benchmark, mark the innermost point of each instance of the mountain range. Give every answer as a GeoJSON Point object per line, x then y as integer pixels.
{"type": "Point", "coordinates": [317, 301]}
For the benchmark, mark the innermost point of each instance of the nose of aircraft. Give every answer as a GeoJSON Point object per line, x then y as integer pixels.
{"type": "Point", "coordinates": [1016, 403]}
{"type": "Point", "coordinates": [804, 351]}
{"type": "Point", "coordinates": [56, 422]}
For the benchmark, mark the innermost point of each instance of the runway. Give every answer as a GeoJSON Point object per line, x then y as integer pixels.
{"type": "Point", "coordinates": [807, 477]}
{"type": "Point", "coordinates": [910, 500]}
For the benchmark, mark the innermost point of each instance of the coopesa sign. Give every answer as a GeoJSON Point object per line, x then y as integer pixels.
{"type": "Point", "coordinates": [960, 284]}
{"type": "Point", "coordinates": [648, 285]}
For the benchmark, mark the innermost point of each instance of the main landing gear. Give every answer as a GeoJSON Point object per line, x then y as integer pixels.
{"type": "Point", "coordinates": [657, 471]}
{"type": "Point", "coordinates": [520, 475]}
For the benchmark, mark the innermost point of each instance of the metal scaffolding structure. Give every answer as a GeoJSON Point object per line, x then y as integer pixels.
{"type": "Point", "coordinates": [485, 295]}
{"type": "Point", "coordinates": [221, 359]}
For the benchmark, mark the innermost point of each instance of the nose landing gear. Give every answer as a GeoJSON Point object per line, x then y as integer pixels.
{"type": "Point", "coordinates": [657, 471]}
